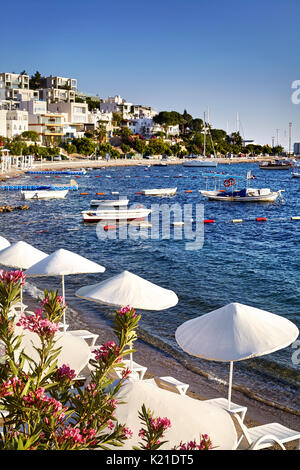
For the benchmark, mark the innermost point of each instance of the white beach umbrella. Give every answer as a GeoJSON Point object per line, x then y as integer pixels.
{"type": "Point", "coordinates": [62, 263]}
{"type": "Point", "coordinates": [3, 243]}
{"type": "Point", "coordinates": [75, 351]}
{"type": "Point", "coordinates": [233, 333]}
{"type": "Point", "coordinates": [21, 255]}
{"type": "Point", "coordinates": [129, 289]}
{"type": "Point", "coordinates": [189, 417]}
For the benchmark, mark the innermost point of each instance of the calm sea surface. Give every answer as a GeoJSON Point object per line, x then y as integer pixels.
{"type": "Point", "coordinates": [254, 263]}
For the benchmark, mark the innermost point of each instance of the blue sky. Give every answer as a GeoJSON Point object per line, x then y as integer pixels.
{"type": "Point", "coordinates": [229, 56]}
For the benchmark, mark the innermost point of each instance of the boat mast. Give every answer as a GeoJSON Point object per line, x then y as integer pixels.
{"type": "Point", "coordinates": [204, 134]}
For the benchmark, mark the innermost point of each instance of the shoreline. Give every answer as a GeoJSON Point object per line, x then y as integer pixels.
{"type": "Point", "coordinates": [73, 164]}
{"type": "Point", "coordinates": [160, 363]}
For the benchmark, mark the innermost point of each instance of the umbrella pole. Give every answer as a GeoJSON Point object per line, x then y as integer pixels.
{"type": "Point", "coordinates": [63, 295]}
{"type": "Point", "coordinates": [230, 383]}
{"type": "Point", "coordinates": [21, 299]}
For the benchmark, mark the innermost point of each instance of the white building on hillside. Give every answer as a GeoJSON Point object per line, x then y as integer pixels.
{"type": "Point", "coordinates": [3, 130]}
{"type": "Point", "coordinates": [34, 106]}
{"type": "Point", "coordinates": [77, 113]}
{"type": "Point", "coordinates": [16, 122]}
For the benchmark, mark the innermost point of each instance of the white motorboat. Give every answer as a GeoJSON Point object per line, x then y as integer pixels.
{"type": "Point", "coordinates": [44, 194]}
{"type": "Point", "coordinates": [295, 175]}
{"type": "Point", "coordinates": [109, 202]}
{"type": "Point", "coordinates": [115, 215]}
{"type": "Point", "coordinates": [159, 192]}
{"type": "Point", "coordinates": [201, 163]}
{"type": "Point", "coordinates": [243, 195]}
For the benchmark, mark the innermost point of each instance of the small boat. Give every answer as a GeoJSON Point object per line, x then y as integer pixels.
{"type": "Point", "coordinates": [295, 175]}
{"type": "Point", "coordinates": [109, 202]}
{"type": "Point", "coordinates": [243, 195]}
{"type": "Point", "coordinates": [160, 164]}
{"type": "Point", "coordinates": [232, 194]}
{"type": "Point", "coordinates": [45, 194]}
{"type": "Point", "coordinates": [115, 215]}
{"type": "Point", "coordinates": [159, 192]}
{"type": "Point", "coordinates": [279, 165]}
{"type": "Point", "coordinates": [200, 163]}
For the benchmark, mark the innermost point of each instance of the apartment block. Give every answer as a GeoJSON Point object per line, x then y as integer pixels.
{"type": "Point", "coordinates": [15, 80]}
{"type": "Point", "coordinates": [16, 122]}
{"type": "Point", "coordinates": [55, 95]}
{"type": "Point", "coordinates": [49, 126]}
{"type": "Point", "coordinates": [59, 83]}
{"type": "Point", "coordinates": [77, 113]}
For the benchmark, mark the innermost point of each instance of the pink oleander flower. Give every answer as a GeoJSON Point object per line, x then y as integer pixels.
{"type": "Point", "coordinates": [45, 301]}
{"type": "Point", "coordinates": [10, 386]}
{"type": "Point", "coordinates": [127, 433]}
{"type": "Point", "coordinates": [127, 309]}
{"type": "Point", "coordinates": [43, 402]}
{"type": "Point", "coordinates": [205, 444]}
{"type": "Point", "coordinates": [12, 277]}
{"type": "Point", "coordinates": [142, 433]}
{"type": "Point", "coordinates": [157, 423]}
{"type": "Point", "coordinates": [105, 350]}
{"type": "Point", "coordinates": [113, 403]}
{"type": "Point", "coordinates": [125, 373]}
{"type": "Point", "coordinates": [75, 436]}
{"type": "Point", "coordinates": [64, 372]}
{"type": "Point", "coordinates": [36, 324]}
{"type": "Point", "coordinates": [110, 425]}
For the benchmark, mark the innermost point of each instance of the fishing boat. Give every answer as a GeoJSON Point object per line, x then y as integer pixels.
{"type": "Point", "coordinates": [45, 194]}
{"type": "Point", "coordinates": [159, 192]}
{"type": "Point", "coordinates": [232, 194]}
{"type": "Point", "coordinates": [279, 165]}
{"type": "Point", "coordinates": [109, 202]}
{"type": "Point", "coordinates": [115, 215]}
{"type": "Point", "coordinates": [243, 195]}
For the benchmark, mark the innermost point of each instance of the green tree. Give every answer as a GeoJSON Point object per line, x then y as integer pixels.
{"type": "Point", "coordinates": [84, 145]}
{"type": "Point", "coordinates": [125, 148]}
{"type": "Point", "coordinates": [30, 135]}
{"type": "Point", "coordinates": [139, 145]}
{"type": "Point", "coordinates": [35, 81]}
{"type": "Point", "coordinates": [117, 118]}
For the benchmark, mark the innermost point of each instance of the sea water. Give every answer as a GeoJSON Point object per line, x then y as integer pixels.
{"type": "Point", "coordinates": [253, 263]}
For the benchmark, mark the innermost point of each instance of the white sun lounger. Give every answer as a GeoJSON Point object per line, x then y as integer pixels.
{"type": "Point", "coordinates": [171, 384]}
{"type": "Point", "coordinates": [266, 435]}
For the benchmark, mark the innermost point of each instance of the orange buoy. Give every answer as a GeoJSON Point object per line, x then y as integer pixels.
{"type": "Point", "coordinates": [100, 194]}
{"type": "Point", "coordinates": [84, 193]}
{"type": "Point", "coordinates": [189, 191]}
{"type": "Point", "coordinates": [261, 219]}
{"type": "Point", "coordinates": [109, 227]}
